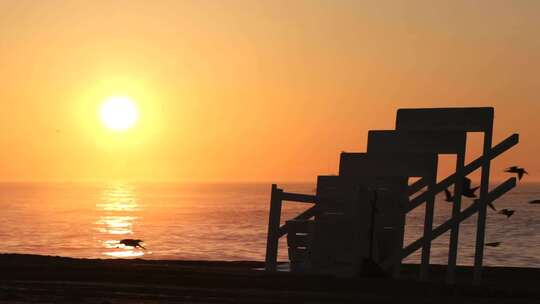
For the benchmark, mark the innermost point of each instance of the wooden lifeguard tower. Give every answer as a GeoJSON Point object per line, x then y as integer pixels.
{"type": "Point", "coordinates": [360, 214]}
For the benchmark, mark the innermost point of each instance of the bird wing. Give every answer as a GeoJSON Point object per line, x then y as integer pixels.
{"type": "Point", "coordinates": [520, 174]}
{"type": "Point", "coordinates": [448, 195]}
{"type": "Point", "coordinates": [466, 183]}
{"type": "Point", "coordinates": [503, 211]}
{"type": "Point", "coordinates": [511, 169]}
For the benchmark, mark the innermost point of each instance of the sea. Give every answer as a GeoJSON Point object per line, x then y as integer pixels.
{"type": "Point", "coordinates": [218, 221]}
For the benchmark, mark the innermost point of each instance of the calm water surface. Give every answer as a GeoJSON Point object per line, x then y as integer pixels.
{"type": "Point", "coordinates": [214, 222]}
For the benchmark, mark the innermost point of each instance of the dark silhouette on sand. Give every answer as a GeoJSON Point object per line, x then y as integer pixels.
{"type": "Point", "coordinates": [507, 212]}
{"type": "Point", "coordinates": [467, 190]}
{"type": "Point", "coordinates": [369, 265]}
{"type": "Point", "coordinates": [517, 170]}
{"type": "Point", "coordinates": [343, 233]}
{"type": "Point", "coordinates": [132, 243]}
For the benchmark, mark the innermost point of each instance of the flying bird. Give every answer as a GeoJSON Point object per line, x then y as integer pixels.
{"type": "Point", "coordinates": [449, 197]}
{"type": "Point", "coordinates": [494, 244]}
{"type": "Point", "coordinates": [467, 190]}
{"type": "Point", "coordinates": [507, 212]}
{"type": "Point", "coordinates": [492, 206]}
{"type": "Point", "coordinates": [132, 243]}
{"type": "Point", "coordinates": [515, 169]}
{"type": "Point", "coordinates": [534, 202]}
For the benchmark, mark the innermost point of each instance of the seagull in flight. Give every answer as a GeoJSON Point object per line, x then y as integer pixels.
{"type": "Point", "coordinates": [494, 244]}
{"type": "Point", "coordinates": [507, 212]}
{"type": "Point", "coordinates": [132, 243]}
{"type": "Point", "coordinates": [515, 169]}
{"type": "Point", "coordinates": [492, 206]}
{"type": "Point", "coordinates": [467, 190]}
{"type": "Point", "coordinates": [449, 197]}
{"type": "Point", "coordinates": [477, 201]}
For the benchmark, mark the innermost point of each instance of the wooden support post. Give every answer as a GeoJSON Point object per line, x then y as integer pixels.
{"type": "Point", "coordinates": [428, 227]}
{"type": "Point", "coordinates": [272, 241]}
{"type": "Point", "coordinates": [475, 164]}
{"type": "Point", "coordinates": [400, 241]}
{"type": "Point", "coordinates": [481, 225]}
{"type": "Point", "coordinates": [472, 209]}
{"type": "Point", "coordinates": [302, 216]}
{"type": "Point", "coordinates": [299, 198]}
{"type": "Point", "coordinates": [456, 209]}
{"type": "Point", "coordinates": [417, 186]}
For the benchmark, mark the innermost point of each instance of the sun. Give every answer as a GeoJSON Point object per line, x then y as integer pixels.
{"type": "Point", "coordinates": [119, 113]}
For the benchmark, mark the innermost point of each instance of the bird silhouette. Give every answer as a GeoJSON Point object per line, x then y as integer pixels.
{"type": "Point", "coordinates": [507, 212]}
{"type": "Point", "coordinates": [534, 202]}
{"type": "Point", "coordinates": [492, 206]}
{"type": "Point", "coordinates": [132, 243]}
{"type": "Point", "coordinates": [493, 244]}
{"type": "Point", "coordinates": [515, 169]}
{"type": "Point", "coordinates": [449, 197]}
{"type": "Point", "coordinates": [467, 190]}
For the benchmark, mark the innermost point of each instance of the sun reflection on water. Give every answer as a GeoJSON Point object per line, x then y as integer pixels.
{"type": "Point", "coordinates": [119, 208]}
{"type": "Point", "coordinates": [113, 224]}
{"type": "Point", "coordinates": [119, 197]}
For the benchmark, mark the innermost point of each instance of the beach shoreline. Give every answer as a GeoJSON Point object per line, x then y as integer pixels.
{"type": "Point", "coordinates": [38, 279]}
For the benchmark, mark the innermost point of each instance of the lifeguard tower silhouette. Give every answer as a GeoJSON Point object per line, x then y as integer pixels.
{"type": "Point", "coordinates": [359, 215]}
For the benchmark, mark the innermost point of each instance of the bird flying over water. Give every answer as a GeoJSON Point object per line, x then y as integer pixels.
{"type": "Point", "coordinates": [132, 243]}
{"type": "Point", "coordinates": [507, 212]}
{"type": "Point", "coordinates": [493, 244]}
{"type": "Point", "coordinates": [449, 197]}
{"type": "Point", "coordinates": [492, 206]}
{"type": "Point", "coordinates": [467, 190]}
{"type": "Point", "coordinates": [515, 169]}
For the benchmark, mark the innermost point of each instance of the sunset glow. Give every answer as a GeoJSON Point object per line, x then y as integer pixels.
{"type": "Point", "coordinates": [119, 113]}
{"type": "Point", "coordinates": [269, 150]}
{"type": "Point", "coordinates": [238, 92]}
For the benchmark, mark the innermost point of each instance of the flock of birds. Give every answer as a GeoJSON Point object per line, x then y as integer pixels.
{"type": "Point", "coordinates": [469, 191]}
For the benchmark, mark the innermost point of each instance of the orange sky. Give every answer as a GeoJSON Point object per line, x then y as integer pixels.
{"type": "Point", "coordinates": [251, 90]}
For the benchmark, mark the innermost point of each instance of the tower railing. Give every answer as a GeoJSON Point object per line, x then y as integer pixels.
{"type": "Point", "coordinates": [452, 121]}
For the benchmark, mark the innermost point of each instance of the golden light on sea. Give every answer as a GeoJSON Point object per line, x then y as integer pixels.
{"type": "Point", "coordinates": [119, 212]}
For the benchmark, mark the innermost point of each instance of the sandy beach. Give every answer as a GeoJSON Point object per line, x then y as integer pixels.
{"type": "Point", "coordinates": [47, 279]}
